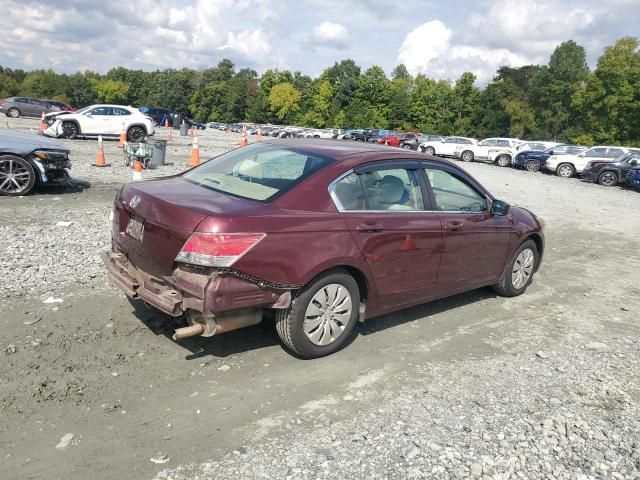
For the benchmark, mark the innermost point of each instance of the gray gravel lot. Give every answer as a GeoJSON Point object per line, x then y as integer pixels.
{"type": "Point", "coordinates": [543, 386]}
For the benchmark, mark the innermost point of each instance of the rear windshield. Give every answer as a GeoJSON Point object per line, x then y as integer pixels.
{"type": "Point", "coordinates": [257, 172]}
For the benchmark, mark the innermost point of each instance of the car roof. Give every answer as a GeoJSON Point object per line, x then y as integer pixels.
{"type": "Point", "coordinates": [340, 149]}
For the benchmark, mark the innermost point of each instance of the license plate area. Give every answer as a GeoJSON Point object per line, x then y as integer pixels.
{"type": "Point", "coordinates": [135, 227]}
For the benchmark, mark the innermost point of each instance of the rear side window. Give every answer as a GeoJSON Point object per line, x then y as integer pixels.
{"type": "Point", "coordinates": [596, 152]}
{"type": "Point", "coordinates": [120, 111]}
{"type": "Point", "coordinates": [259, 172]}
{"type": "Point", "coordinates": [391, 189]}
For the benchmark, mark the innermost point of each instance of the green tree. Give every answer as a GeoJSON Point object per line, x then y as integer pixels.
{"type": "Point", "coordinates": [110, 91]}
{"type": "Point", "coordinates": [284, 99]}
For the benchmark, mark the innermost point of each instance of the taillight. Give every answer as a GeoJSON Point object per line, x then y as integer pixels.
{"type": "Point", "coordinates": [2, 101]}
{"type": "Point", "coordinates": [217, 249]}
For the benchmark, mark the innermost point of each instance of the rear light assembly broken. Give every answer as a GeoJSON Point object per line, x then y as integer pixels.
{"type": "Point", "coordinates": [217, 249]}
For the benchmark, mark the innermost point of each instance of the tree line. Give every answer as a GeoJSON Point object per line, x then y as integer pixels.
{"type": "Point", "coordinates": [563, 100]}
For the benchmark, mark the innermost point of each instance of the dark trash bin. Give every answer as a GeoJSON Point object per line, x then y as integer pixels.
{"type": "Point", "coordinates": [159, 152]}
{"type": "Point", "coordinates": [184, 129]}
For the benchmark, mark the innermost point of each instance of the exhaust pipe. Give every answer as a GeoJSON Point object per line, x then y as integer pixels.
{"type": "Point", "coordinates": [210, 326]}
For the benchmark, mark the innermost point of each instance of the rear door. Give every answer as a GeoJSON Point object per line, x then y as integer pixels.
{"type": "Point", "coordinates": [475, 243]}
{"type": "Point", "coordinates": [401, 241]}
{"type": "Point", "coordinates": [119, 117]}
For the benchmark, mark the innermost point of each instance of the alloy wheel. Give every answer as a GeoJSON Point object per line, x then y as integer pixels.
{"type": "Point", "coordinates": [14, 177]}
{"type": "Point", "coordinates": [565, 170]}
{"type": "Point", "coordinates": [430, 151]}
{"type": "Point", "coordinates": [608, 179]}
{"type": "Point", "coordinates": [136, 134]}
{"type": "Point", "coordinates": [13, 112]}
{"type": "Point", "coordinates": [327, 314]}
{"type": "Point", "coordinates": [467, 156]}
{"type": "Point", "coordinates": [69, 130]}
{"type": "Point", "coordinates": [532, 166]}
{"type": "Point", "coordinates": [504, 160]}
{"type": "Point", "coordinates": [522, 268]}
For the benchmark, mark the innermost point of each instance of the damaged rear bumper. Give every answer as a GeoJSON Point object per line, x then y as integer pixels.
{"type": "Point", "coordinates": [219, 300]}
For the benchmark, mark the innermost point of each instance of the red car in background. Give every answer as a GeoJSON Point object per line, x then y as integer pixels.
{"type": "Point", "coordinates": [397, 139]}
{"type": "Point", "coordinates": [317, 234]}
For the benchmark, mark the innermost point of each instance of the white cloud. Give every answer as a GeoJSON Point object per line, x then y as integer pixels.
{"type": "Point", "coordinates": [428, 49]}
{"type": "Point", "coordinates": [331, 34]}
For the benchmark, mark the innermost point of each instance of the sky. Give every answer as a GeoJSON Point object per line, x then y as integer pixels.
{"type": "Point", "coordinates": [440, 38]}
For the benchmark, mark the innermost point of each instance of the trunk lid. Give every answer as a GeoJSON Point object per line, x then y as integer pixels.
{"type": "Point", "coordinates": [155, 218]}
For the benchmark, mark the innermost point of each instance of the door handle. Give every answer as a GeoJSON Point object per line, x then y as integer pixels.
{"type": "Point", "coordinates": [453, 226]}
{"type": "Point", "coordinates": [369, 227]}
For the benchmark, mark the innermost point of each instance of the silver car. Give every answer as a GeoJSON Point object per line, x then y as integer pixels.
{"type": "Point", "coordinates": [26, 107]}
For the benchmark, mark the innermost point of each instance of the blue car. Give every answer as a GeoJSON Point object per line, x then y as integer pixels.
{"type": "Point", "coordinates": [634, 179]}
{"type": "Point", "coordinates": [533, 160]}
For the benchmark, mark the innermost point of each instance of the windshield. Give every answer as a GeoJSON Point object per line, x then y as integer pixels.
{"type": "Point", "coordinates": [257, 172]}
{"type": "Point", "coordinates": [628, 157]}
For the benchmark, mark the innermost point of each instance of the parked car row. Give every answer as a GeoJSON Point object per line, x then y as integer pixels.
{"type": "Point", "coordinates": [15, 107]}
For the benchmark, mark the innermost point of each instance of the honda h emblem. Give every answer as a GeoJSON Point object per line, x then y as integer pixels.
{"type": "Point", "coordinates": [135, 201]}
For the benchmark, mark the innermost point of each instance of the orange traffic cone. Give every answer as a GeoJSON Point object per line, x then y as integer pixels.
{"type": "Point", "coordinates": [123, 137]}
{"type": "Point", "coordinates": [166, 123]}
{"type": "Point", "coordinates": [195, 153]}
{"type": "Point", "coordinates": [43, 124]}
{"type": "Point", "coordinates": [100, 162]}
{"type": "Point", "coordinates": [137, 171]}
{"type": "Point", "coordinates": [170, 134]}
{"type": "Point", "coordinates": [409, 243]}
{"type": "Point", "coordinates": [243, 137]}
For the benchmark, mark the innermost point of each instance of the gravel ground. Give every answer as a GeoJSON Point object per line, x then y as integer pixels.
{"type": "Point", "coordinates": [543, 386]}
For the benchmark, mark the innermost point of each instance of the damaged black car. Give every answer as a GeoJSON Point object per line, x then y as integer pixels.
{"type": "Point", "coordinates": [27, 160]}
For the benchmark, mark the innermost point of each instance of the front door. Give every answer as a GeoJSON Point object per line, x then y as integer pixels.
{"type": "Point", "coordinates": [97, 121]}
{"type": "Point", "coordinates": [475, 242]}
{"type": "Point", "coordinates": [402, 242]}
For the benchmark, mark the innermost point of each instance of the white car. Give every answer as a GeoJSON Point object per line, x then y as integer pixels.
{"type": "Point", "coordinates": [105, 120]}
{"type": "Point", "coordinates": [569, 165]}
{"type": "Point", "coordinates": [447, 146]}
{"type": "Point", "coordinates": [327, 133]}
{"type": "Point", "coordinates": [494, 150]}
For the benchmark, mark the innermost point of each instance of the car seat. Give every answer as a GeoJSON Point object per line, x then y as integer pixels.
{"type": "Point", "coordinates": [391, 194]}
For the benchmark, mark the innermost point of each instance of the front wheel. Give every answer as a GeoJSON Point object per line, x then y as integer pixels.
{"type": "Point", "coordinates": [406, 146]}
{"type": "Point", "coordinates": [519, 272]}
{"type": "Point", "coordinates": [321, 317]}
{"type": "Point", "coordinates": [430, 151]}
{"type": "Point", "coordinates": [608, 179]}
{"type": "Point", "coordinates": [69, 130]}
{"type": "Point", "coordinates": [13, 112]}
{"type": "Point", "coordinates": [17, 176]}
{"type": "Point", "coordinates": [565, 170]}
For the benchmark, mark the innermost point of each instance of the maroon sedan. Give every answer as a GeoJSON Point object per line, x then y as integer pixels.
{"type": "Point", "coordinates": [317, 234]}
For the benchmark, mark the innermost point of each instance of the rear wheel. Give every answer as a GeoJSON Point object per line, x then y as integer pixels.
{"type": "Point", "coordinates": [135, 134]}
{"type": "Point", "coordinates": [503, 160]}
{"type": "Point", "coordinates": [519, 272]}
{"type": "Point", "coordinates": [430, 151]}
{"type": "Point", "coordinates": [565, 170]}
{"type": "Point", "coordinates": [69, 130]}
{"type": "Point", "coordinates": [13, 112]}
{"type": "Point", "coordinates": [467, 156]}
{"type": "Point", "coordinates": [17, 176]}
{"type": "Point", "coordinates": [406, 146]}
{"type": "Point", "coordinates": [608, 179]}
{"type": "Point", "coordinates": [321, 317]}
{"type": "Point", "coordinates": [532, 165]}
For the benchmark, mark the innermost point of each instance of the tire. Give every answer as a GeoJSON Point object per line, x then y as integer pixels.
{"type": "Point", "coordinates": [406, 146]}
{"type": "Point", "coordinates": [521, 261]}
{"type": "Point", "coordinates": [69, 130]}
{"type": "Point", "coordinates": [430, 151]}
{"type": "Point", "coordinates": [13, 112]}
{"type": "Point", "coordinates": [503, 160]}
{"type": "Point", "coordinates": [136, 134]}
{"type": "Point", "coordinates": [467, 156]}
{"type": "Point", "coordinates": [290, 323]}
{"type": "Point", "coordinates": [532, 166]}
{"type": "Point", "coordinates": [565, 170]}
{"type": "Point", "coordinates": [608, 179]}
{"type": "Point", "coordinates": [17, 176]}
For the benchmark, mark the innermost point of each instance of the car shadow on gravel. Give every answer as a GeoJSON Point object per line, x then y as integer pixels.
{"type": "Point", "coordinates": [264, 334]}
{"type": "Point", "coordinates": [71, 186]}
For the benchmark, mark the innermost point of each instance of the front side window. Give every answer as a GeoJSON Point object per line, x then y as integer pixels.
{"type": "Point", "coordinates": [452, 194]}
{"type": "Point", "coordinates": [394, 189]}
{"type": "Point", "coordinates": [503, 143]}
{"type": "Point", "coordinates": [101, 111]}
{"type": "Point", "coordinates": [257, 172]}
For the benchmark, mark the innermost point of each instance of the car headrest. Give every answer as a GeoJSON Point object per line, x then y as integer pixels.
{"type": "Point", "coordinates": [250, 168]}
{"type": "Point", "coordinates": [390, 189]}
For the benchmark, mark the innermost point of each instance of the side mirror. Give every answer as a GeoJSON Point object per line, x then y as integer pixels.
{"type": "Point", "coordinates": [633, 162]}
{"type": "Point", "coordinates": [500, 208]}
{"type": "Point", "coordinates": [88, 114]}
{"type": "Point", "coordinates": [581, 155]}
{"type": "Point", "coordinates": [550, 152]}
{"type": "Point", "coordinates": [442, 141]}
